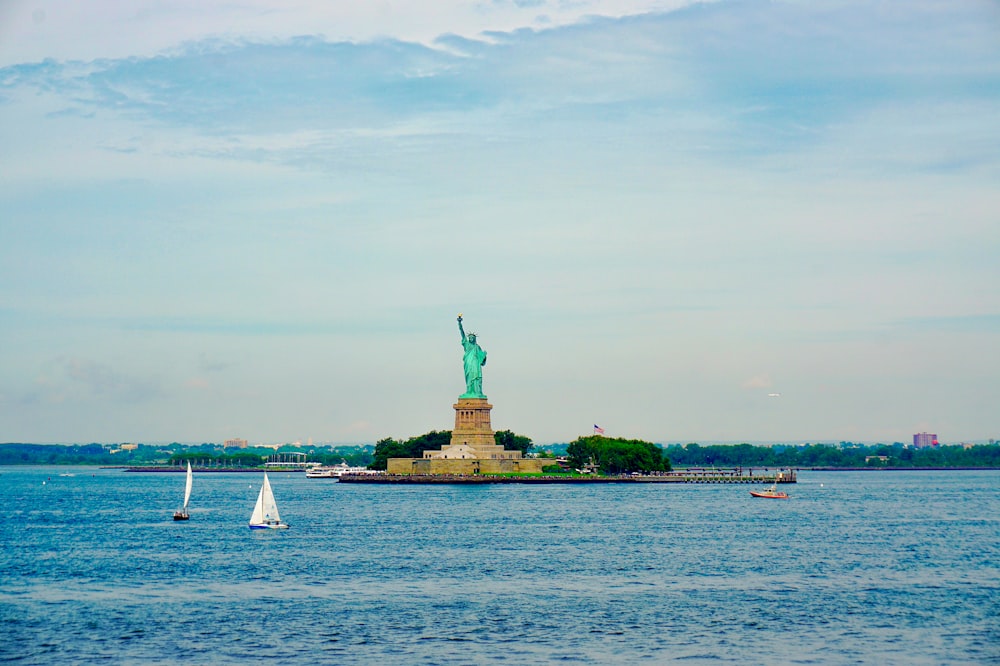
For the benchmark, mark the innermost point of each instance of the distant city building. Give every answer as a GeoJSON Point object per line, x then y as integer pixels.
{"type": "Point", "coordinates": [924, 440]}
{"type": "Point", "coordinates": [234, 444]}
{"type": "Point", "coordinates": [129, 447]}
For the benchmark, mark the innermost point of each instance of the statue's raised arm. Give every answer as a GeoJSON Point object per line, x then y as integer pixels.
{"type": "Point", "coordinates": [460, 329]}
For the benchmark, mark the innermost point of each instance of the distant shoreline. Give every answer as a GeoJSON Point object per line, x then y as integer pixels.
{"type": "Point", "coordinates": [894, 469]}
{"type": "Point", "coordinates": [257, 470]}
{"type": "Point", "coordinates": [238, 470]}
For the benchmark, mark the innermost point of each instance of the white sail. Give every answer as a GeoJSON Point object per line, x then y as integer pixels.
{"type": "Point", "coordinates": [257, 517]}
{"type": "Point", "coordinates": [187, 488]}
{"type": "Point", "coordinates": [266, 510]}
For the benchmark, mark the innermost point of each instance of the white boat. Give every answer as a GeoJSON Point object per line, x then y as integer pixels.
{"type": "Point", "coordinates": [183, 513]}
{"type": "Point", "coordinates": [265, 512]}
{"type": "Point", "coordinates": [333, 471]}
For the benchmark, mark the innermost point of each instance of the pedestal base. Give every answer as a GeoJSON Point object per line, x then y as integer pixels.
{"type": "Point", "coordinates": [472, 438]}
{"type": "Point", "coordinates": [472, 426]}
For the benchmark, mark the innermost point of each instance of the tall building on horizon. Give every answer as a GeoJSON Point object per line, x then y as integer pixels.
{"type": "Point", "coordinates": [235, 444]}
{"type": "Point", "coordinates": [924, 440]}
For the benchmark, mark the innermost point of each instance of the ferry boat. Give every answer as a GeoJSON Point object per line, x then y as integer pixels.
{"type": "Point", "coordinates": [333, 471]}
{"type": "Point", "coordinates": [770, 493]}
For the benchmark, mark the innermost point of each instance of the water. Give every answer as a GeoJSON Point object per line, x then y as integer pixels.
{"type": "Point", "coordinates": [856, 568]}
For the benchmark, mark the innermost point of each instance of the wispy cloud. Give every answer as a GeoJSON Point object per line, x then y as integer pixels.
{"type": "Point", "coordinates": [760, 78]}
{"type": "Point", "coordinates": [100, 379]}
{"type": "Point", "coordinates": [208, 364]}
{"type": "Point", "coordinates": [977, 323]}
{"type": "Point", "coordinates": [758, 382]}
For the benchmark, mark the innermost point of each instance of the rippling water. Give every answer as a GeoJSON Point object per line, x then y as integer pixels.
{"type": "Point", "coordinates": [858, 567]}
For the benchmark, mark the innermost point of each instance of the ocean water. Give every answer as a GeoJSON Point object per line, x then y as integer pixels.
{"type": "Point", "coordinates": [856, 568]}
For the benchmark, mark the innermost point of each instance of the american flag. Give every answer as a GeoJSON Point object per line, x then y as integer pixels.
{"type": "Point", "coordinates": [598, 429]}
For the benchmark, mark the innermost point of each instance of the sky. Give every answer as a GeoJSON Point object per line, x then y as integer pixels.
{"type": "Point", "coordinates": [681, 221]}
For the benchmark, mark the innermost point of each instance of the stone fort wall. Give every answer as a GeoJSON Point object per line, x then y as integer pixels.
{"type": "Point", "coordinates": [466, 466]}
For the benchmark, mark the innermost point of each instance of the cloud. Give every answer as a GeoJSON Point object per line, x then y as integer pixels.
{"type": "Point", "coordinates": [142, 29]}
{"type": "Point", "coordinates": [975, 323]}
{"type": "Point", "coordinates": [212, 365]}
{"type": "Point", "coordinates": [101, 380]}
{"type": "Point", "coordinates": [761, 381]}
{"type": "Point", "coordinates": [721, 80]}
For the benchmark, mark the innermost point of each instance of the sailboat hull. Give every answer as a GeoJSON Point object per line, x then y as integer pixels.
{"type": "Point", "coordinates": [181, 516]}
{"type": "Point", "coordinates": [275, 526]}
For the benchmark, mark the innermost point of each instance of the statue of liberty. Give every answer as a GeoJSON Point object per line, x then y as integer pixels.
{"type": "Point", "coordinates": [475, 359]}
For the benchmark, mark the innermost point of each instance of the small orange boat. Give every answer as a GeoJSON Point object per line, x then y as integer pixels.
{"type": "Point", "coordinates": [770, 493]}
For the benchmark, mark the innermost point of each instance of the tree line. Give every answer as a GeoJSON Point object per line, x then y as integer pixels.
{"type": "Point", "coordinates": [844, 455]}
{"type": "Point", "coordinates": [610, 455]}
{"type": "Point", "coordinates": [171, 454]}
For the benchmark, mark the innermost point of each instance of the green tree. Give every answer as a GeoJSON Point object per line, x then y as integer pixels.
{"type": "Point", "coordinates": [411, 448]}
{"type": "Point", "coordinates": [617, 456]}
{"type": "Point", "coordinates": [512, 442]}
{"type": "Point", "coordinates": [385, 449]}
{"type": "Point", "coordinates": [433, 440]}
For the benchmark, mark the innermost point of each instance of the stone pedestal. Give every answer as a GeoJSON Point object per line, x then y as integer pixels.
{"type": "Point", "coordinates": [472, 425]}
{"type": "Point", "coordinates": [472, 438]}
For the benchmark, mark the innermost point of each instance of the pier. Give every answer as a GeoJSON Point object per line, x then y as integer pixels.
{"type": "Point", "coordinates": [735, 475]}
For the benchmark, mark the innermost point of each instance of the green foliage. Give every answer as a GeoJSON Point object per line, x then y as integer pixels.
{"type": "Point", "coordinates": [845, 455]}
{"type": "Point", "coordinates": [508, 440]}
{"type": "Point", "coordinates": [411, 448]}
{"type": "Point", "coordinates": [608, 453]}
{"type": "Point", "coordinates": [432, 440]}
{"type": "Point", "coordinates": [208, 459]}
{"type": "Point", "coordinates": [78, 454]}
{"type": "Point", "coordinates": [385, 449]}
{"type": "Point", "coordinates": [355, 456]}
{"type": "Point", "coordinates": [554, 469]}
{"type": "Point", "coordinates": [551, 450]}
{"type": "Point", "coordinates": [617, 456]}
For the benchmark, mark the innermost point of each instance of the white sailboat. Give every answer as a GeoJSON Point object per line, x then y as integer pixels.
{"type": "Point", "coordinates": [265, 512]}
{"type": "Point", "coordinates": [183, 513]}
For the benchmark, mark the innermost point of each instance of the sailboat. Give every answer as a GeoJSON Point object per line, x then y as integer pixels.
{"type": "Point", "coordinates": [183, 513]}
{"type": "Point", "coordinates": [265, 513]}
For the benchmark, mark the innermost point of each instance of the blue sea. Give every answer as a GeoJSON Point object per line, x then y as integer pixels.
{"type": "Point", "coordinates": [855, 568]}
